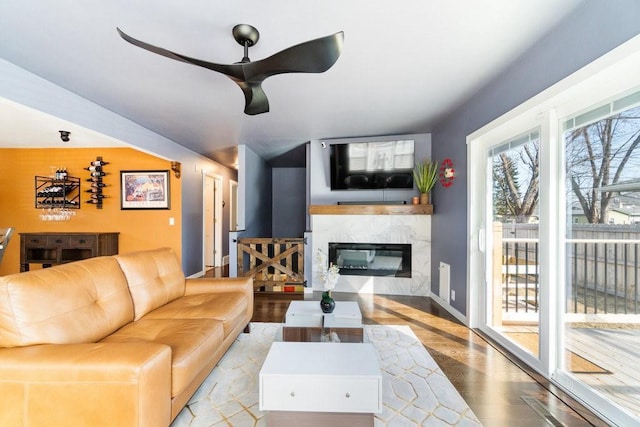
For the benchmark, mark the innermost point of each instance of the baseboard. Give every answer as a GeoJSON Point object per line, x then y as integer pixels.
{"type": "Point", "coordinates": [197, 275]}
{"type": "Point", "coordinates": [445, 305]}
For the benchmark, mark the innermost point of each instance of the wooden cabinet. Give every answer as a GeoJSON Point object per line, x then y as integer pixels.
{"type": "Point", "coordinates": [57, 248]}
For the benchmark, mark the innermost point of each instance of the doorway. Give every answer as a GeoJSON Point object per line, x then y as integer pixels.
{"type": "Point", "coordinates": [212, 218]}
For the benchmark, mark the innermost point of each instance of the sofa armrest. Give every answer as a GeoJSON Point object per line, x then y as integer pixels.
{"type": "Point", "coordinates": [99, 384]}
{"type": "Point", "coordinates": [219, 284]}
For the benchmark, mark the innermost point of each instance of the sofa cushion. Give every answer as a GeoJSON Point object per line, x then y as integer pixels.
{"type": "Point", "coordinates": [155, 278]}
{"type": "Point", "coordinates": [227, 307]}
{"type": "Point", "coordinates": [79, 302]}
{"type": "Point", "coordinates": [193, 343]}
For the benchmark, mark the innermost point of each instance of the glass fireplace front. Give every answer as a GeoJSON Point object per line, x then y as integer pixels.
{"type": "Point", "coordinates": [371, 259]}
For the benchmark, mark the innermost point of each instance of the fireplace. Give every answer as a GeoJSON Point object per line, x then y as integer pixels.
{"type": "Point", "coordinates": [371, 259]}
{"type": "Point", "coordinates": [412, 230]}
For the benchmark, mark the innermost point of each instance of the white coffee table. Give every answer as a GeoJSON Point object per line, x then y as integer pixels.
{"type": "Point", "coordinates": [313, 383]}
{"type": "Point", "coordinates": [308, 313]}
{"type": "Point", "coordinates": [305, 321]}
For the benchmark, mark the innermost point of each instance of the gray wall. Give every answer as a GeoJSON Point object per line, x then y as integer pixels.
{"type": "Point", "coordinates": [254, 184]}
{"type": "Point", "coordinates": [289, 194]}
{"type": "Point", "coordinates": [30, 90]}
{"type": "Point", "coordinates": [595, 27]}
{"type": "Point", "coordinates": [254, 203]}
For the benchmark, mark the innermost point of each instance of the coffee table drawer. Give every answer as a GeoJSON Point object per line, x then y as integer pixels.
{"type": "Point", "coordinates": [321, 377]}
{"type": "Point", "coordinates": [321, 394]}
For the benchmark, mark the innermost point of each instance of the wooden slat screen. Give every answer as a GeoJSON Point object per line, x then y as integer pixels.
{"type": "Point", "coordinates": [276, 264]}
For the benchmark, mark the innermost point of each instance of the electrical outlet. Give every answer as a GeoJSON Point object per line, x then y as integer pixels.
{"type": "Point", "coordinates": [453, 295]}
{"type": "Point", "coordinates": [172, 221]}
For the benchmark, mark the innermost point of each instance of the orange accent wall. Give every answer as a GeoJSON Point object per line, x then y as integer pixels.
{"type": "Point", "coordinates": [139, 229]}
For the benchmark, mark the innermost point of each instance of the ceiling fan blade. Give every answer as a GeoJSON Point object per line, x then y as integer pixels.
{"type": "Point", "coordinates": [256, 101]}
{"type": "Point", "coordinates": [313, 56]}
{"type": "Point", "coordinates": [234, 70]}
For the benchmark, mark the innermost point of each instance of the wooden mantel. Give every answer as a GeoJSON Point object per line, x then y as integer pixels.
{"type": "Point", "coordinates": [371, 209]}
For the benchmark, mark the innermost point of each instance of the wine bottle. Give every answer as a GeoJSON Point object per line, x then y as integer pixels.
{"type": "Point", "coordinates": [99, 196]}
{"type": "Point", "coordinates": [94, 168]}
{"type": "Point", "coordinates": [94, 201]}
{"type": "Point", "coordinates": [98, 174]}
{"type": "Point", "coordinates": [99, 163]}
{"type": "Point", "coordinates": [98, 184]}
{"type": "Point", "coordinates": [93, 190]}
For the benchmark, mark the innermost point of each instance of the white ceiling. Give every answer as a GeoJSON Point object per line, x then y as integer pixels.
{"type": "Point", "coordinates": [404, 66]}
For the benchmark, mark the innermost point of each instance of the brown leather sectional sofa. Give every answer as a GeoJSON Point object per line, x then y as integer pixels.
{"type": "Point", "coordinates": [123, 340]}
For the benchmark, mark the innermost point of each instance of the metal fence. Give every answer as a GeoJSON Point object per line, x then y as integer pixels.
{"type": "Point", "coordinates": [603, 270]}
{"type": "Point", "coordinates": [520, 271]}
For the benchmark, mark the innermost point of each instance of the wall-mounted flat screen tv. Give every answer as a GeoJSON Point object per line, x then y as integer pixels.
{"type": "Point", "coordinates": [372, 165]}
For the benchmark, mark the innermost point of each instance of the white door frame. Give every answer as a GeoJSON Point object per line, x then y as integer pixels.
{"type": "Point", "coordinates": [481, 230]}
{"type": "Point", "coordinates": [213, 215]}
{"type": "Point", "coordinates": [233, 205]}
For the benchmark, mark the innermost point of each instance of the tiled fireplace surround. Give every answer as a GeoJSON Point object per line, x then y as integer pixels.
{"type": "Point", "coordinates": [412, 229]}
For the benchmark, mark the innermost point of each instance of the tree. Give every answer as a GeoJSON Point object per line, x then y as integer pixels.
{"type": "Point", "coordinates": [597, 155]}
{"type": "Point", "coordinates": [508, 198]}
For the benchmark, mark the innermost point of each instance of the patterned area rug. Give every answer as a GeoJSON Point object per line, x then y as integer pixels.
{"type": "Point", "coordinates": [415, 390]}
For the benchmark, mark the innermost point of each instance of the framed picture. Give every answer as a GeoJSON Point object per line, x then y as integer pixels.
{"type": "Point", "coordinates": [144, 190]}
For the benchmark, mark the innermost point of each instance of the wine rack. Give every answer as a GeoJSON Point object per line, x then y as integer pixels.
{"type": "Point", "coordinates": [63, 191]}
{"type": "Point", "coordinates": [96, 169]}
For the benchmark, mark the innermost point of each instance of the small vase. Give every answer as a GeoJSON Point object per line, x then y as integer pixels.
{"type": "Point", "coordinates": [327, 304]}
{"type": "Point", "coordinates": [424, 198]}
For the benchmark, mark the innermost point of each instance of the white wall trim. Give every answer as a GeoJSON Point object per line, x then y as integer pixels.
{"type": "Point", "coordinates": [455, 313]}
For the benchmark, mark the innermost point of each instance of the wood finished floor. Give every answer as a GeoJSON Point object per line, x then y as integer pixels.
{"type": "Point", "coordinates": [487, 379]}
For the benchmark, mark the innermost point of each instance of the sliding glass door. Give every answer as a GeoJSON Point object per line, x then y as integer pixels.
{"type": "Point", "coordinates": [554, 221]}
{"type": "Point", "coordinates": [602, 241]}
{"type": "Point", "coordinates": [513, 291]}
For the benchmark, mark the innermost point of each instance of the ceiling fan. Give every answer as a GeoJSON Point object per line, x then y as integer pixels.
{"type": "Point", "coordinates": [314, 56]}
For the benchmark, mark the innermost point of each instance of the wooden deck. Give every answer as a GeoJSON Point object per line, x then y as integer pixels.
{"type": "Point", "coordinates": [616, 351]}
{"type": "Point", "coordinates": [605, 359]}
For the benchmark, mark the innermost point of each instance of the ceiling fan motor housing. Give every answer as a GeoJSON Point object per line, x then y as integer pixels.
{"type": "Point", "coordinates": [245, 33]}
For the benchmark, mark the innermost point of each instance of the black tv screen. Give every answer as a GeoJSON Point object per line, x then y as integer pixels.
{"type": "Point", "coordinates": [372, 165]}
